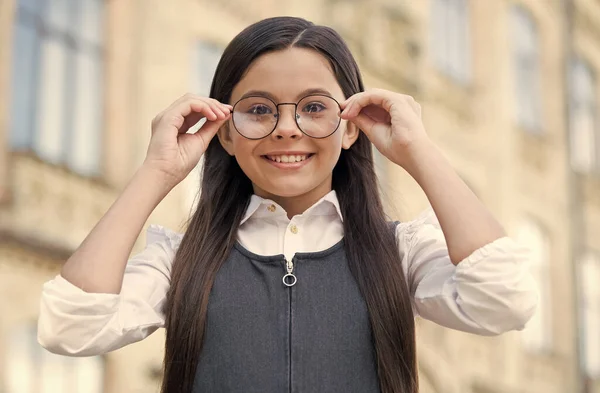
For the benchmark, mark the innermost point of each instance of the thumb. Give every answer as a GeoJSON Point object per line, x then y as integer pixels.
{"type": "Point", "coordinates": [201, 138]}
{"type": "Point", "coordinates": [365, 124]}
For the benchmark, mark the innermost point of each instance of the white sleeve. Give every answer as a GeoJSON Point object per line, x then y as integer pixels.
{"type": "Point", "coordinates": [488, 293]}
{"type": "Point", "coordinates": [76, 323]}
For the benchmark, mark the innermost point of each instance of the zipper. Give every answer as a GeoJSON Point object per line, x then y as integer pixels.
{"type": "Point", "coordinates": [290, 343]}
{"type": "Point", "coordinates": [289, 279]}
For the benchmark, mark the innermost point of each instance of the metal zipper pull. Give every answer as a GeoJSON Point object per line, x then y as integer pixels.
{"type": "Point", "coordinates": [289, 279]}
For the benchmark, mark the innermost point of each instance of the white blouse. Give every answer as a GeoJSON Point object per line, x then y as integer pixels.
{"type": "Point", "coordinates": [488, 293]}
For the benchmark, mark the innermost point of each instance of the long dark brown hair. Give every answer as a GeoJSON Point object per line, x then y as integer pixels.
{"type": "Point", "coordinates": [369, 242]}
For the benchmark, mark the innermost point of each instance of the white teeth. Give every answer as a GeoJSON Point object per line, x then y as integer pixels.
{"type": "Point", "coordinates": [287, 159]}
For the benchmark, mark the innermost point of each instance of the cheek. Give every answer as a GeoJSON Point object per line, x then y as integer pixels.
{"type": "Point", "coordinates": [243, 149]}
{"type": "Point", "coordinates": [241, 145]}
{"type": "Point", "coordinates": [329, 150]}
{"type": "Point", "coordinates": [335, 141]}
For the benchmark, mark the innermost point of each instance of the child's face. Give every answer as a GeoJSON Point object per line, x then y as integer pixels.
{"type": "Point", "coordinates": [286, 76]}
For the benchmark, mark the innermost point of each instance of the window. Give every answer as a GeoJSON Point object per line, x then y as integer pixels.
{"type": "Point", "coordinates": [583, 126]}
{"type": "Point", "coordinates": [32, 369]}
{"type": "Point", "coordinates": [590, 313]}
{"type": "Point", "coordinates": [450, 38]}
{"type": "Point", "coordinates": [537, 334]}
{"type": "Point", "coordinates": [204, 63]}
{"type": "Point", "coordinates": [57, 82]}
{"type": "Point", "coordinates": [526, 70]}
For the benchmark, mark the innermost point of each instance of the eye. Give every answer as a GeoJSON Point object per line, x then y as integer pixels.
{"type": "Point", "coordinates": [314, 107]}
{"type": "Point", "coordinates": [259, 110]}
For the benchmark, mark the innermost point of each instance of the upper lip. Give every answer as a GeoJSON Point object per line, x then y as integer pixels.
{"type": "Point", "coordinates": [288, 153]}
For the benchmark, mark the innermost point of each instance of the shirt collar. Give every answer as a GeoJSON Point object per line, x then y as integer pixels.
{"type": "Point", "coordinates": [261, 208]}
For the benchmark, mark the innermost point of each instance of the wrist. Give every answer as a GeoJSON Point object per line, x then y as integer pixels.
{"type": "Point", "coordinates": [418, 156]}
{"type": "Point", "coordinates": [158, 181]}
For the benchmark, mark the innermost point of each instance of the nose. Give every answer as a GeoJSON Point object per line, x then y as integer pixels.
{"type": "Point", "coordinates": [286, 124]}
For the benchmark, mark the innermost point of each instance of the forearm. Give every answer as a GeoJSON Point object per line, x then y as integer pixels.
{"type": "Point", "coordinates": [98, 265]}
{"type": "Point", "coordinates": [466, 223]}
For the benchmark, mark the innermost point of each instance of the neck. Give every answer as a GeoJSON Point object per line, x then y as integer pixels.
{"type": "Point", "coordinates": [297, 204]}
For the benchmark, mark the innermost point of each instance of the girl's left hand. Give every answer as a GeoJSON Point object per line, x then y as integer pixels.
{"type": "Point", "coordinates": [391, 121]}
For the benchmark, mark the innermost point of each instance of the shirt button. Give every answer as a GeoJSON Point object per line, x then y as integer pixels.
{"type": "Point", "coordinates": [271, 208]}
{"type": "Point", "coordinates": [294, 229]}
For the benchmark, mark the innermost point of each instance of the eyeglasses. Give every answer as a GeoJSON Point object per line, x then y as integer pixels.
{"type": "Point", "coordinates": [256, 117]}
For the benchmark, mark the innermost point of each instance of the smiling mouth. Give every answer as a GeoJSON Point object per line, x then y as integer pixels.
{"type": "Point", "coordinates": [283, 158]}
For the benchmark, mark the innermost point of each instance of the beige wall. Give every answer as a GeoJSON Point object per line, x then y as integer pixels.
{"type": "Point", "coordinates": [150, 47]}
{"type": "Point", "coordinates": [6, 13]}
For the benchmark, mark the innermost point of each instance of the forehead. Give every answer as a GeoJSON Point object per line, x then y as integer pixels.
{"type": "Point", "coordinates": [287, 73]}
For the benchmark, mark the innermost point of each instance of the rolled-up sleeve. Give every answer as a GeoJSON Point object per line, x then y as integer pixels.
{"type": "Point", "coordinates": [76, 323]}
{"type": "Point", "coordinates": [490, 292]}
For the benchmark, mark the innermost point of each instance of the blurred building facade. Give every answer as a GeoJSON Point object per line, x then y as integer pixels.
{"type": "Point", "coordinates": [508, 89]}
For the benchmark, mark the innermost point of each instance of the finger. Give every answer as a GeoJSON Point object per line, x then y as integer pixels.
{"type": "Point", "coordinates": [345, 109]}
{"type": "Point", "coordinates": [192, 97]}
{"type": "Point", "coordinates": [216, 106]}
{"type": "Point", "coordinates": [364, 123]}
{"type": "Point", "coordinates": [190, 106]}
{"type": "Point", "coordinates": [344, 104]}
{"type": "Point", "coordinates": [187, 111]}
{"type": "Point", "coordinates": [195, 110]}
{"type": "Point", "coordinates": [348, 100]}
{"type": "Point", "coordinates": [411, 103]}
{"type": "Point", "coordinates": [210, 127]}
{"type": "Point", "coordinates": [200, 106]}
{"type": "Point", "coordinates": [381, 98]}
{"type": "Point", "coordinates": [190, 121]}
{"type": "Point", "coordinates": [193, 119]}
{"type": "Point", "coordinates": [207, 132]}
{"type": "Point", "coordinates": [220, 110]}
{"type": "Point", "coordinates": [226, 108]}
{"type": "Point", "coordinates": [182, 100]}
{"type": "Point", "coordinates": [176, 117]}
{"type": "Point", "coordinates": [192, 103]}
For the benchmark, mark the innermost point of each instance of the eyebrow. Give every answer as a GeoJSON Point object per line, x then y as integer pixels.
{"type": "Point", "coordinates": [303, 93]}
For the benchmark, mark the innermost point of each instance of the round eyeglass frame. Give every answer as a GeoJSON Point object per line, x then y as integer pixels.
{"type": "Point", "coordinates": [295, 115]}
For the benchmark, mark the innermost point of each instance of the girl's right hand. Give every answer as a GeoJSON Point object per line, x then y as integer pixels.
{"type": "Point", "coordinates": [173, 152]}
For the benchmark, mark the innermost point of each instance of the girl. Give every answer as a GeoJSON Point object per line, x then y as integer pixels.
{"type": "Point", "coordinates": [289, 277]}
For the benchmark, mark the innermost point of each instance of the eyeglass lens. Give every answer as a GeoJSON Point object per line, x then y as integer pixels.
{"type": "Point", "coordinates": [316, 116]}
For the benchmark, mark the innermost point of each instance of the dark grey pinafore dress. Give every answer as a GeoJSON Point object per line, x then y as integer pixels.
{"type": "Point", "coordinates": [265, 337]}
